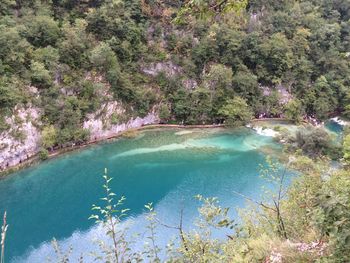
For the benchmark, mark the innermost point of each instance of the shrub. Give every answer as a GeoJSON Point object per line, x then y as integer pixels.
{"type": "Point", "coordinates": [43, 154]}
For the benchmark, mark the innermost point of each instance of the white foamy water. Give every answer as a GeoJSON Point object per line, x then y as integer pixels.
{"type": "Point", "coordinates": [265, 132]}
{"type": "Point", "coordinates": [339, 121]}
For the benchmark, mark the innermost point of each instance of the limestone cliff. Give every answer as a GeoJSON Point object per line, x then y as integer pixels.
{"type": "Point", "coordinates": [23, 139]}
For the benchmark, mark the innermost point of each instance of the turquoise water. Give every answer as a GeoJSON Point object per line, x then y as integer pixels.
{"type": "Point", "coordinates": [335, 130]}
{"type": "Point", "coordinates": [166, 167]}
{"type": "Point", "coordinates": [334, 127]}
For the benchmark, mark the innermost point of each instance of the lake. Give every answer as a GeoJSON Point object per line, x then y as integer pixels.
{"type": "Point", "coordinates": [167, 167]}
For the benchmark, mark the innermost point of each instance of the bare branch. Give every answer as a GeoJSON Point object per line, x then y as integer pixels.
{"type": "Point", "coordinates": [254, 201]}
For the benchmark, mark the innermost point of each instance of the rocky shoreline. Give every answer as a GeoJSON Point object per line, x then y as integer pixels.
{"type": "Point", "coordinates": [34, 158]}
{"type": "Point", "coordinates": [15, 153]}
{"type": "Point", "coordinates": [151, 121]}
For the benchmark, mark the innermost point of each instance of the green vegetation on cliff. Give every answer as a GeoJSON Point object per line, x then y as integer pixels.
{"type": "Point", "coordinates": [185, 58]}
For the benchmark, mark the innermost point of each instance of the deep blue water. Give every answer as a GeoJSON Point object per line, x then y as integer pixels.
{"type": "Point", "coordinates": [166, 167]}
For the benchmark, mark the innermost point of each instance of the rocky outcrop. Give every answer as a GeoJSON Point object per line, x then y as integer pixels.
{"type": "Point", "coordinates": [22, 140]}
{"type": "Point", "coordinates": [100, 124]}
{"type": "Point", "coordinates": [169, 68]}
{"type": "Point", "coordinates": [284, 96]}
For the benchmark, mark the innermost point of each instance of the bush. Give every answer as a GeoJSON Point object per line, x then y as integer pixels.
{"type": "Point", "coordinates": [314, 142]}
{"type": "Point", "coordinates": [43, 154]}
{"type": "Point", "coordinates": [333, 215]}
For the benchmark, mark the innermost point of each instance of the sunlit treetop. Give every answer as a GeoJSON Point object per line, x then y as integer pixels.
{"type": "Point", "coordinates": [208, 9]}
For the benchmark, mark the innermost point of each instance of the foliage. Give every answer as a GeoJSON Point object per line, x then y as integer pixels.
{"type": "Point", "coordinates": [110, 215]}
{"type": "Point", "coordinates": [333, 215]}
{"type": "Point", "coordinates": [43, 154]}
{"type": "Point", "coordinates": [42, 31]}
{"type": "Point", "coordinates": [79, 54]}
{"type": "Point", "coordinates": [206, 9]}
{"type": "Point", "coordinates": [164, 113]}
{"type": "Point", "coordinates": [293, 110]}
{"type": "Point", "coordinates": [49, 137]}
{"type": "Point", "coordinates": [346, 149]}
{"type": "Point", "coordinates": [9, 96]}
{"type": "Point", "coordinates": [40, 76]}
{"type": "Point", "coordinates": [235, 112]}
{"type": "Point", "coordinates": [152, 250]}
{"type": "Point", "coordinates": [313, 141]}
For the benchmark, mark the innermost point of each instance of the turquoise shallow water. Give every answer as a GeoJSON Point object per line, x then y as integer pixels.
{"type": "Point", "coordinates": [334, 127]}
{"type": "Point", "coordinates": [166, 167]}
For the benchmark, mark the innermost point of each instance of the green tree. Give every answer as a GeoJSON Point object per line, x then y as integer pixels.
{"type": "Point", "coordinates": [319, 99]}
{"type": "Point", "coordinates": [218, 81]}
{"type": "Point", "coordinates": [9, 94]}
{"type": "Point", "coordinates": [293, 110]}
{"type": "Point", "coordinates": [40, 75]}
{"type": "Point", "coordinates": [48, 56]}
{"type": "Point", "coordinates": [181, 105]}
{"type": "Point", "coordinates": [75, 43]}
{"type": "Point", "coordinates": [103, 58]}
{"type": "Point", "coordinates": [315, 142]}
{"type": "Point", "coordinates": [277, 58]}
{"type": "Point", "coordinates": [235, 112]}
{"type": "Point", "coordinates": [6, 6]}
{"type": "Point", "coordinates": [218, 77]}
{"type": "Point", "coordinates": [245, 84]}
{"type": "Point", "coordinates": [14, 50]}
{"type": "Point", "coordinates": [347, 105]}
{"type": "Point", "coordinates": [201, 108]}
{"type": "Point", "coordinates": [42, 31]}
{"type": "Point", "coordinates": [333, 215]}
{"type": "Point", "coordinates": [206, 9]}
{"type": "Point", "coordinates": [164, 113]}
{"type": "Point", "coordinates": [49, 137]}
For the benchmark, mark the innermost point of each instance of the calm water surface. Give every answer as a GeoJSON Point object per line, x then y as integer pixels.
{"type": "Point", "coordinates": [166, 167]}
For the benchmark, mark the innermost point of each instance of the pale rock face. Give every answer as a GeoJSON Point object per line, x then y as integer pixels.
{"type": "Point", "coordinates": [13, 151]}
{"type": "Point", "coordinates": [265, 90]}
{"type": "Point", "coordinates": [101, 127]}
{"type": "Point", "coordinates": [284, 94]}
{"type": "Point", "coordinates": [190, 84]}
{"type": "Point", "coordinates": [265, 132]}
{"type": "Point", "coordinates": [169, 68]}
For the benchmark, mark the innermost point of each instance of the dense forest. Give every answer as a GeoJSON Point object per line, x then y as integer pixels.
{"type": "Point", "coordinates": [266, 58]}
{"type": "Point", "coordinates": [197, 62]}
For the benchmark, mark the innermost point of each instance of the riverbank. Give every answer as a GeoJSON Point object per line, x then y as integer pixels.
{"type": "Point", "coordinates": [57, 152]}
